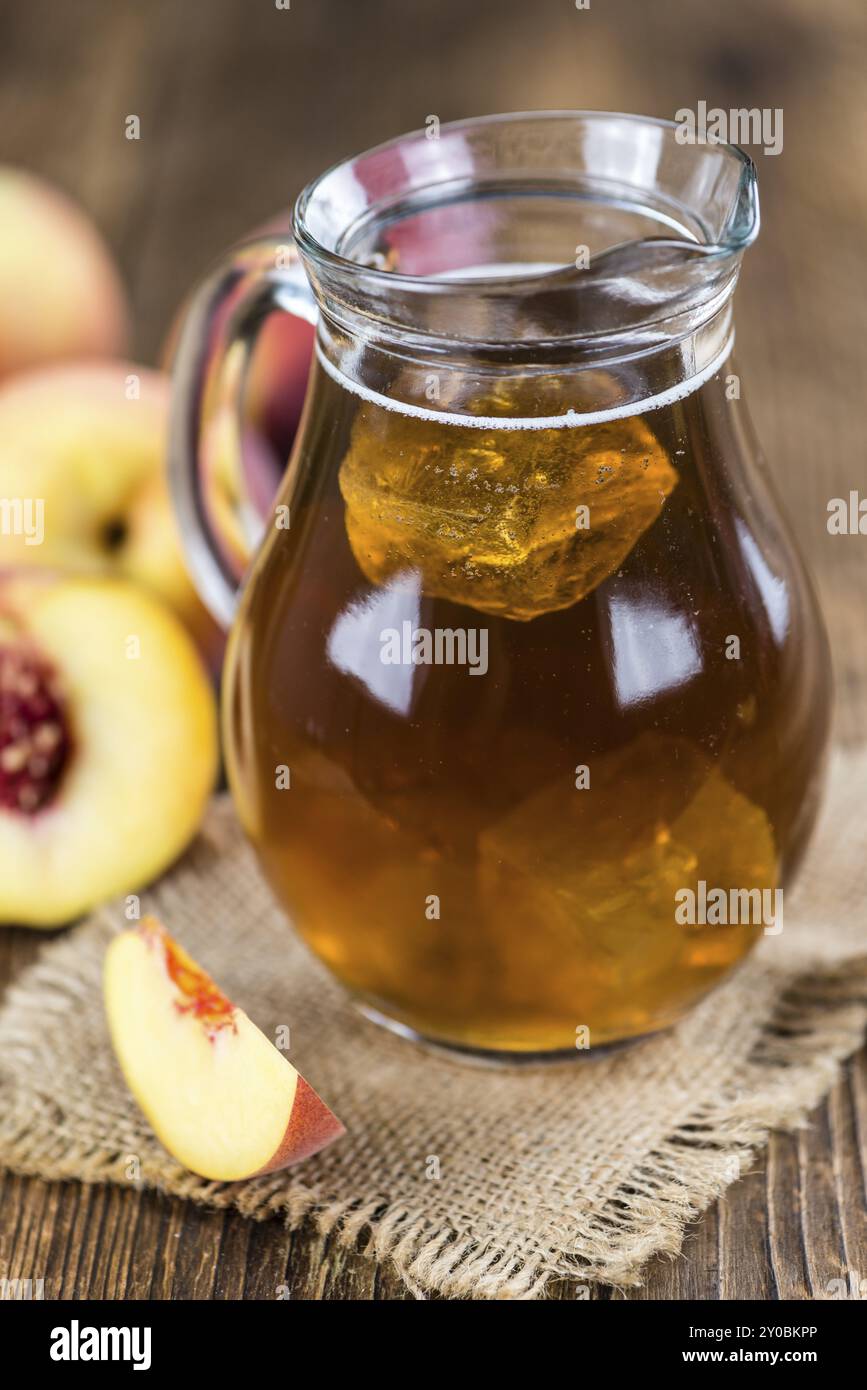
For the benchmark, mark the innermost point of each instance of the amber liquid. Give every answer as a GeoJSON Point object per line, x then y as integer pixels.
{"type": "Point", "coordinates": [492, 860]}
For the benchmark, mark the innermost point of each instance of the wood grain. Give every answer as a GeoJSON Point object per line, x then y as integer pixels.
{"type": "Point", "coordinates": [240, 104]}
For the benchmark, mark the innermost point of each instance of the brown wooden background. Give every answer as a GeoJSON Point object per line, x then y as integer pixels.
{"type": "Point", "coordinates": [240, 104]}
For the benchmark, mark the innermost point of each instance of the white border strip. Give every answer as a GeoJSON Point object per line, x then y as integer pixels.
{"type": "Point", "coordinates": [570, 420]}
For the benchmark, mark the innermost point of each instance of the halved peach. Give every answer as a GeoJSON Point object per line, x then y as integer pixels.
{"type": "Point", "coordinates": [108, 743]}
{"type": "Point", "coordinates": [219, 1096]}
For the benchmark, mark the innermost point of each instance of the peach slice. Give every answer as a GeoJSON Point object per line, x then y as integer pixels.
{"type": "Point", "coordinates": [218, 1094]}
{"type": "Point", "coordinates": [83, 447]}
{"type": "Point", "coordinates": [108, 743]}
{"type": "Point", "coordinates": [61, 294]}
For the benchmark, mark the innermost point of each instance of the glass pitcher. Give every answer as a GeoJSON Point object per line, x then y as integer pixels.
{"type": "Point", "coordinates": [526, 696]}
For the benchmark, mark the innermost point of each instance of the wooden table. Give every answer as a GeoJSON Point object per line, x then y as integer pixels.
{"type": "Point", "coordinates": [241, 104]}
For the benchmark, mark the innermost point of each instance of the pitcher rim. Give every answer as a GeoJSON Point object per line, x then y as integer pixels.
{"type": "Point", "coordinates": [309, 245]}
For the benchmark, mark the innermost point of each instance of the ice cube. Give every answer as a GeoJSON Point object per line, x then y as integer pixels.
{"type": "Point", "coordinates": [496, 519]}
{"type": "Point", "coordinates": [594, 872]}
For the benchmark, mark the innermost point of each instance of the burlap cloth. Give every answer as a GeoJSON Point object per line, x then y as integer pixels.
{"type": "Point", "coordinates": [582, 1168]}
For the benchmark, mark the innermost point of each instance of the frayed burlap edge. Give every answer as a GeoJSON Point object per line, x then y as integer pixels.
{"type": "Point", "coordinates": [818, 1020]}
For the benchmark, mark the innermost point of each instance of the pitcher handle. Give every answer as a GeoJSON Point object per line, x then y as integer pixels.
{"type": "Point", "coordinates": [220, 526]}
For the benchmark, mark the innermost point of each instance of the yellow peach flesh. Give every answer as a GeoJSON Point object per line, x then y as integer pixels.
{"type": "Point", "coordinates": [144, 759]}
{"type": "Point", "coordinates": [218, 1094]}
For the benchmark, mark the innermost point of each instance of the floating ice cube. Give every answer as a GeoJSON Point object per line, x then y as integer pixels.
{"type": "Point", "coordinates": [518, 522]}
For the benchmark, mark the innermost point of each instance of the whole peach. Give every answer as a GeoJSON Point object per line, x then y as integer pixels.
{"type": "Point", "coordinates": [60, 294]}
{"type": "Point", "coordinates": [83, 482]}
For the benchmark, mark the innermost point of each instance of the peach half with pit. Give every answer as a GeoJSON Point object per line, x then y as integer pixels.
{"type": "Point", "coordinates": [219, 1096]}
{"type": "Point", "coordinates": [108, 743]}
